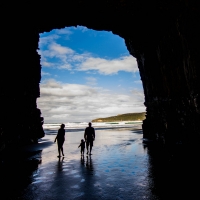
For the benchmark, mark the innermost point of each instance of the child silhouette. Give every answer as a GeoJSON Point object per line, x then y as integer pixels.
{"type": "Point", "coordinates": [82, 145]}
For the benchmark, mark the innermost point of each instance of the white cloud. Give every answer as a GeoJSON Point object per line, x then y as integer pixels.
{"type": "Point", "coordinates": [63, 31]}
{"type": "Point", "coordinates": [62, 102]}
{"type": "Point", "coordinates": [103, 66]}
{"type": "Point", "coordinates": [65, 66]}
{"type": "Point", "coordinates": [80, 57]}
{"type": "Point", "coordinates": [48, 39]}
{"type": "Point", "coordinates": [46, 64]}
{"type": "Point", "coordinates": [82, 28]}
{"type": "Point", "coordinates": [45, 40]}
{"type": "Point", "coordinates": [60, 53]}
{"type": "Point", "coordinates": [138, 93]}
{"type": "Point", "coordinates": [45, 73]}
{"type": "Point", "coordinates": [91, 80]}
{"type": "Point", "coordinates": [138, 82]}
{"type": "Point", "coordinates": [57, 50]}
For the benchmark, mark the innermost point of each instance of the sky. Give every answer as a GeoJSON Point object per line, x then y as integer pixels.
{"type": "Point", "coordinates": [87, 74]}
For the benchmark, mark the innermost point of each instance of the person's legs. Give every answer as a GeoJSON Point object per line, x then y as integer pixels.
{"type": "Point", "coordinates": [82, 151]}
{"type": "Point", "coordinates": [58, 150]}
{"type": "Point", "coordinates": [62, 151]}
{"type": "Point", "coordinates": [91, 145]}
{"type": "Point", "coordinates": [87, 144]}
{"type": "Point", "coordinates": [90, 149]}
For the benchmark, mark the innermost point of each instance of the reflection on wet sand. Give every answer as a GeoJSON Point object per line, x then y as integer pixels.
{"type": "Point", "coordinates": [60, 163]}
{"type": "Point", "coordinates": [121, 167]}
{"type": "Point", "coordinates": [82, 159]}
{"type": "Point", "coordinates": [89, 164]}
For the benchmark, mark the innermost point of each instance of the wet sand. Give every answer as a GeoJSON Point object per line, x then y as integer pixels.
{"type": "Point", "coordinates": [120, 167]}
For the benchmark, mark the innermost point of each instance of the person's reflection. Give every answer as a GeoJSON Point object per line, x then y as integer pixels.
{"type": "Point", "coordinates": [82, 160]}
{"type": "Point", "coordinates": [145, 147]}
{"type": "Point", "coordinates": [60, 163]}
{"type": "Point", "coordinates": [89, 164]}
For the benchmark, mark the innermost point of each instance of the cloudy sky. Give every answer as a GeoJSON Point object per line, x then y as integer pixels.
{"type": "Point", "coordinates": [87, 74]}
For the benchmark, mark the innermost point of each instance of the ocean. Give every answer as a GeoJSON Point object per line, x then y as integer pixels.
{"type": "Point", "coordinates": [52, 128]}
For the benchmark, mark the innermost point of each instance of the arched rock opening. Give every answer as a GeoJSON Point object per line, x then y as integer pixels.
{"type": "Point", "coordinates": [163, 36]}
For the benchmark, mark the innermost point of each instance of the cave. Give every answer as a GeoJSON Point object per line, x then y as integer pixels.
{"type": "Point", "coordinates": [162, 35]}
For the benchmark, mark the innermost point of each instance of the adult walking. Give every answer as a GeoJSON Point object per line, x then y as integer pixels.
{"type": "Point", "coordinates": [60, 137]}
{"type": "Point", "coordinates": [89, 137]}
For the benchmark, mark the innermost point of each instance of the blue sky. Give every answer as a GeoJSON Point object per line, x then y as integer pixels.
{"type": "Point", "coordinates": [87, 74]}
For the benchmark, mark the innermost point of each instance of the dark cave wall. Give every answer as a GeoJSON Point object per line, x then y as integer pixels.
{"type": "Point", "coordinates": [169, 68]}
{"type": "Point", "coordinates": [162, 35]}
{"type": "Point", "coordinates": [20, 119]}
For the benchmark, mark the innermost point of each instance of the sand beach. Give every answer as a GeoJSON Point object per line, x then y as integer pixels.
{"type": "Point", "coordinates": [120, 167]}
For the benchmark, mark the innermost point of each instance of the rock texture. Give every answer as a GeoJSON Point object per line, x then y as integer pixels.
{"type": "Point", "coordinates": [162, 35]}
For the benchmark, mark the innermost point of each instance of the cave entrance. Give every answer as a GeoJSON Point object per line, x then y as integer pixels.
{"type": "Point", "coordinates": [87, 74]}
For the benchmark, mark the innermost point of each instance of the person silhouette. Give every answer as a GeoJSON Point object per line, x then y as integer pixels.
{"type": "Point", "coordinates": [82, 145]}
{"type": "Point", "coordinates": [89, 136]}
{"type": "Point", "coordinates": [60, 137]}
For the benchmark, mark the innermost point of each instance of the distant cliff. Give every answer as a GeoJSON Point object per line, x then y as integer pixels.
{"type": "Point", "coordinates": [122, 117]}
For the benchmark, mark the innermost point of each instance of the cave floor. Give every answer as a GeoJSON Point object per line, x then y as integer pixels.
{"type": "Point", "coordinates": [120, 167]}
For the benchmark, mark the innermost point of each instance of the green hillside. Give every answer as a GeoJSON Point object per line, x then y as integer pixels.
{"type": "Point", "coordinates": [123, 117]}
